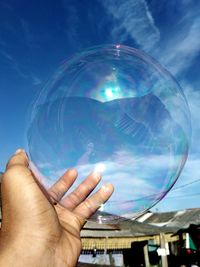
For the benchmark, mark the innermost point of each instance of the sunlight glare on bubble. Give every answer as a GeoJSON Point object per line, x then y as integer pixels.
{"type": "Point", "coordinates": [100, 167]}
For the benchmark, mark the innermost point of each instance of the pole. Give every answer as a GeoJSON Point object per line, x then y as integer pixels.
{"type": "Point", "coordinates": [146, 256]}
{"type": "Point", "coordinates": [163, 246]}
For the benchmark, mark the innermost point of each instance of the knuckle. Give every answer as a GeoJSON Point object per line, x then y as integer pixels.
{"type": "Point", "coordinates": [83, 188]}
{"type": "Point", "coordinates": [89, 205]}
{"type": "Point", "coordinates": [63, 185]}
{"type": "Point", "coordinates": [101, 197]}
{"type": "Point", "coordinates": [74, 198]}
{"type": "Point", "coordinates": [54, 195]}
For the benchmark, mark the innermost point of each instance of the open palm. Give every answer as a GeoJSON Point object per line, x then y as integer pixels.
{"type": "Point", "coordinates": [48, 223]}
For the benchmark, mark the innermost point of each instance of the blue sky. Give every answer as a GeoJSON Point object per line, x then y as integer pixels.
{"type": "Point", "coordinates": [36, 36]}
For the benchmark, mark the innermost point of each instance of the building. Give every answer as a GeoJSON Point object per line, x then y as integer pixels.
{"type": "Point", "coordinates": [137, 243]}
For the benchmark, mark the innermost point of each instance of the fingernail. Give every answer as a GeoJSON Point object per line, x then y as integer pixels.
{"type": "Point", "coordinates": [106, 188]}
{"type": "Point", "coordinates": [19, 150]}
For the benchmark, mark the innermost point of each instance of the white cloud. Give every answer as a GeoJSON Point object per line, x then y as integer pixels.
{"type": "Point", "coordinates": [133, 177]}
{"type": "Point", "coordinates": [134, 20]}
{"type": "Point", "coordinates": [182, 48]}
{"type": "Point", "coordinates": [187, 196]}
{"type": "Point", "coordinates": [192, 170]}
{"type": "Point", "coordinates": [193, 97]}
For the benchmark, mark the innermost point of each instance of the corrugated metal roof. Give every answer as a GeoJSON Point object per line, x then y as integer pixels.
{"type": "Point", "coordinates": [126, 228]}
{"type": "Point", "coordinates": [177, 219]}
{"type": "Point", "coordinates": [165, 222]}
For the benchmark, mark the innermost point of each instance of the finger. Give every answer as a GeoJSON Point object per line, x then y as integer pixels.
{"type": "Point", "coordinates": [19, 164]}
{"type": "Point", "coordinates": [20, 192]}
{"type": "Point", "coordinates": [69, 221]}
{"type": "Point", "coordinates": [19, 158]}
{"type": "Point", "coordinates": [58, 190]}
{"type": "Point", "coordinates": [1, 176]}
{"type": "Point", "coordinates": [91, 204]}
{"type": "Point", "coordinates": [82, 191]}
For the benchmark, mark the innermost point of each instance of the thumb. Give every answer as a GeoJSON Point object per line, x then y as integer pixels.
{"type": "Point", "coordinates": [22, 198]}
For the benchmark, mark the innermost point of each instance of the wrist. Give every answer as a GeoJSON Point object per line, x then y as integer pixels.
{"type": "Point", "coordinates": [23, 252]}
{"type": "Point", "coordinates": [32, 255]}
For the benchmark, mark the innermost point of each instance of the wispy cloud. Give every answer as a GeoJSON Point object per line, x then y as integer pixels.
{"type": "Point", "coordinates": [193, 97]}
{"type": "Point", "coordinates": [28, 36]}
{"type": "Point", "coordinates": [177, 51]}
{"type": "Point", "coordinates": [182, 48]}
{"type": "Point", "coordinates": [35, 79]}
{"type": "Point", "coordinates": [134, 19]}
{"type": "Point", "coordinates": [20, 30]}
{"type": "Point", "coordinates": [71, 23]}
{"type": "Point", "coordinates": [144, 175]}
{"type": "Point", "coordinates": [19, 69]}
{"type": "Point", "coordinates": [190, 192]}
{"type": "Point", "coordinates": [192, 170]}
{"type": "Point", "coordinates": [13, 63]}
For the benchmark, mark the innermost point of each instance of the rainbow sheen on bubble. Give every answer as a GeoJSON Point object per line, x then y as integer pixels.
{"type": "Point", "coordinates": [115, 110]}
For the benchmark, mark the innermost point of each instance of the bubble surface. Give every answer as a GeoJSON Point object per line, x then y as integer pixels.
{"type": "Point", "coordinates": [115, 110]}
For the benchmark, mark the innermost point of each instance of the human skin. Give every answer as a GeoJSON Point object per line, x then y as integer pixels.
{"type": "Point", "coordinates": [36, 229]}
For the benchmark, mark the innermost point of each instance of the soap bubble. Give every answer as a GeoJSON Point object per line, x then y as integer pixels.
{"type": "Point", "coordinates": [115, 110]}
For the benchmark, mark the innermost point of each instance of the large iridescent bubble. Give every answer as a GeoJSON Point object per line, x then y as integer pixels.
{"type": "Point", "coordinates": [115, 110]}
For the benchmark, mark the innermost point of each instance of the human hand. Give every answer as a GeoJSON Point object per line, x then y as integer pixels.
{"type": "Point", "coordinates": [35, 231]}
